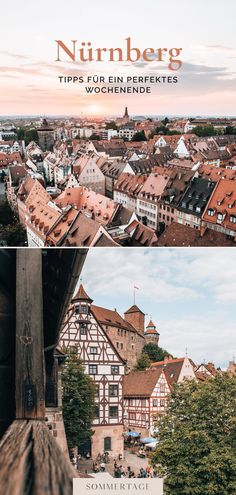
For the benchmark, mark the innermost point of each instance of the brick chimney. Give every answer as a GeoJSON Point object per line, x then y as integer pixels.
{"type": "Point", "coordinates": [136, 318]}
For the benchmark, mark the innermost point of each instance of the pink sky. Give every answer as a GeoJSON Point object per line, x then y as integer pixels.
{"type": "Point", "coordinates": [29, 74]}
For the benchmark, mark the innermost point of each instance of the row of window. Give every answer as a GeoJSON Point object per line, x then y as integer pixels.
{"type": "Point", "coordinates": [113, 390]}
{"type": "Point", "coordinates": [167, 208]}
{"type": "Point", "coordinates": [93, 369]}
{"type": "Point", "coordinates": [113, 412]}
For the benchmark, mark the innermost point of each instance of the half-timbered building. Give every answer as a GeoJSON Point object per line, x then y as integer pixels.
{"type": "Point", "coordinates": [145, 398]}
{"type": "Point", "coordinates": [82, 331]}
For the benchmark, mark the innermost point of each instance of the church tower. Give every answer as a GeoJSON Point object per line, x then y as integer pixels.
{"type": "Point", "coordinates": [151, 334]}
{"type": "Point", "coordinates": [126, 115]}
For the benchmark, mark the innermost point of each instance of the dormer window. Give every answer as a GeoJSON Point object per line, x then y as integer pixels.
{"type": "Point", "coordinates": [210, 212]}
{"type": "Point", "coordinates": [220, 216]}
{"type": "Point", "coordinates": [232, 218]}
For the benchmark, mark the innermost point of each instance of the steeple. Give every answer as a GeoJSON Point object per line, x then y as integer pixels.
{"type": "Point", "coordinates": [126, 115]}
{"type": "Point", "coordinates": [81, 295]}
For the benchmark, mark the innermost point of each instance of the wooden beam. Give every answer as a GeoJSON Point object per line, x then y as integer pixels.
{"type": "Point", "coordinates": [30, 396]}
{"type": "Point", "coordinates": [31, 462]}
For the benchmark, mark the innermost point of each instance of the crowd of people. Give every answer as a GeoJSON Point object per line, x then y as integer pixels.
{"type": "Point", "coordinates": [121, 472]}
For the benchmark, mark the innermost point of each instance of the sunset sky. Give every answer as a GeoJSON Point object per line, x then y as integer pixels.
{"type": "Point", "coordinates": [29, 74]}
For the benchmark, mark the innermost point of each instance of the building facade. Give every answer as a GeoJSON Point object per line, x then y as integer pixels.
{"type": "Point", "coordinates": [103, 363]}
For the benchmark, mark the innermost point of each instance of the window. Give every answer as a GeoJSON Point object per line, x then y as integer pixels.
{"type": "Point", "coordinates": [143, 402]}
{"type": "Point", "coordinates": [113, 390]}
{"type": "Point", "coordinates": [162, 388]}
{"type": "Point", "coordinates": [117, 345]}
{"type": "Point", "coordinates": [154, 403]}
{"type": "Point", "coordinates": [83, 328]}
{"type": "Point", "coordinates": [115, 370]}
{"type": "Point", "coordinates": [162, 403]}
{"type": "Point", "coordinates": [107, 443]}
{"type": "Point", "coordinates": [121, 346]}
{"type": "Point", "coordinates": [132, 415]}
{"type": "Point", "coordinates": [113, 411]}
{"type": "Point", "coordinates": [93, 369]}
{"type": "Point", "coordinates": [93, 350]}
{"type": "Point", "coordinates": [210, 212]}
{"type": "Point", "coordinates": [84, 310]}
{"type": "Point", "coordinates": [77, 310]}
{"type": "Point", "coordinates": [232, 218]}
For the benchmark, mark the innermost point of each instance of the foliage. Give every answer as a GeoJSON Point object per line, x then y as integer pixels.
{"type": "Point", "coordinates": [95, 137]}
{"type": "Point", "coordinates": [139, 136]}
{"type": "Point", "coordinates": [27, 135]}
{"type": "Point", "coordinates": [78, 402]}
{"type": "Point", "coordinates": [143, 362]}
{"type": "Point", "coordinates": [197, 438]}
{"type": "Point", "coordinates": [230, 130]}
{"type": "Point", "coordinates": [111, 125]}
{"type": "Point", "coordinates": [6, 214]}
{"type": "Point", "coordinates": [205, 130]}
{"type": "Point", "coordinates": [154, 352]}
{"type": "Point", "coordinates": [13, 235]}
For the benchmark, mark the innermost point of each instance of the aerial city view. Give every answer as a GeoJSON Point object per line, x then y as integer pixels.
{"type": "Point", "coordinates": [120, 181]}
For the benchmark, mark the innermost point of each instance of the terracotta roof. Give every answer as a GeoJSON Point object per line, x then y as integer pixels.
{"type": "Point", "coordinates": [89, 201]}
{"type": "Point", "coordinates": [141, 383]}
{"type": "Point", "coordinates": [141, 235]}
{"type": "Point", "coordinates": [172, 369]}
{"type": "Point", "coordinates": [130, 184]}
{"type": "Point", "coordinates": [182, 235]}
{"type": "Point", "coordinates": [81, 295]}
{"type": "Point", "coordinates": [222, 205]}
{"type": "Point", "coordinates": [111, 318]}
{"type": "Point", "coordinates": [216, 173]}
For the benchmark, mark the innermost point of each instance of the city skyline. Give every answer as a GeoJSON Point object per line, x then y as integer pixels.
{"type": "Point", "coordinates": [29, 82]}
{"type": "Point", "coordinates": [190, 301]}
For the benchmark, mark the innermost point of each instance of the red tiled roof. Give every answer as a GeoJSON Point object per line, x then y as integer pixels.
{"type": "Point", "coordinates": [141, 383]}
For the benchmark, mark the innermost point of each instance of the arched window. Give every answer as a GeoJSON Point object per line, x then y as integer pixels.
{"type": "Point", "coordinates": [107, 443]}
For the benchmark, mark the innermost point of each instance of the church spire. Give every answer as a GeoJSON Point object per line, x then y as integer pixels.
{"type": "Point", "coordinates": [126, 115]}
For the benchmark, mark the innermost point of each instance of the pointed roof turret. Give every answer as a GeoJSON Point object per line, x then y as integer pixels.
{"type": "Point", "coordinates": [151, 328]}
{"type": "Point", "coordinates": [81, 295]}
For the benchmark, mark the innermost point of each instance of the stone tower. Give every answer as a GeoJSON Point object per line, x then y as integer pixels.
{"type": "Point", "coordinates": [46, 136]}
{"type": "Point", "coordinates": [151, 334]}
{"type": "Point", "coordinates": [135, 317]}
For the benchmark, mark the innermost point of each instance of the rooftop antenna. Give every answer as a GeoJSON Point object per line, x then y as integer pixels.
{"type": "Point", "coordinates": [186, 352]}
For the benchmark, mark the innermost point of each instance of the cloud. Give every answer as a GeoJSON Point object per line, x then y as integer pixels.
{"type": "Point", "coordinates": [14, 55]}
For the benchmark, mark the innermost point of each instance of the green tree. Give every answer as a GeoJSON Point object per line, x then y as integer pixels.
{"type": "Point", "coordinates": [31, 135]}
{"type": "Point", "coordinates": [6, 214]}
{"type": "Point", "coordinates": [197, 438]}
{"type": "Point", "coordinates": [154, 352]}
{"type": "Point", "coordinates": [139, 136]}
{"type": "Point", "coordinates": [111, 125]}
{"type": "Point", "coordinates": [95, 137]}
{"type": "Point", "coordinates": [204, 130]}
{"type": "Point", "coordinates": [13, 235]}
{"type": "Point", "coordinates": [230, 130]}
{"type": "Point", "coordinates": [165, 121]}
{"type": "Point", "coordinates": [143, 362]}
{"type": "Point", "coordinates": [78, 402]}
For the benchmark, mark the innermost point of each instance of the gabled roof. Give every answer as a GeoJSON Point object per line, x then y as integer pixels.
{"type": "Point", "coordinates": [111, 318]}
{"type": "Point", "coordinates": [141, 383]}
